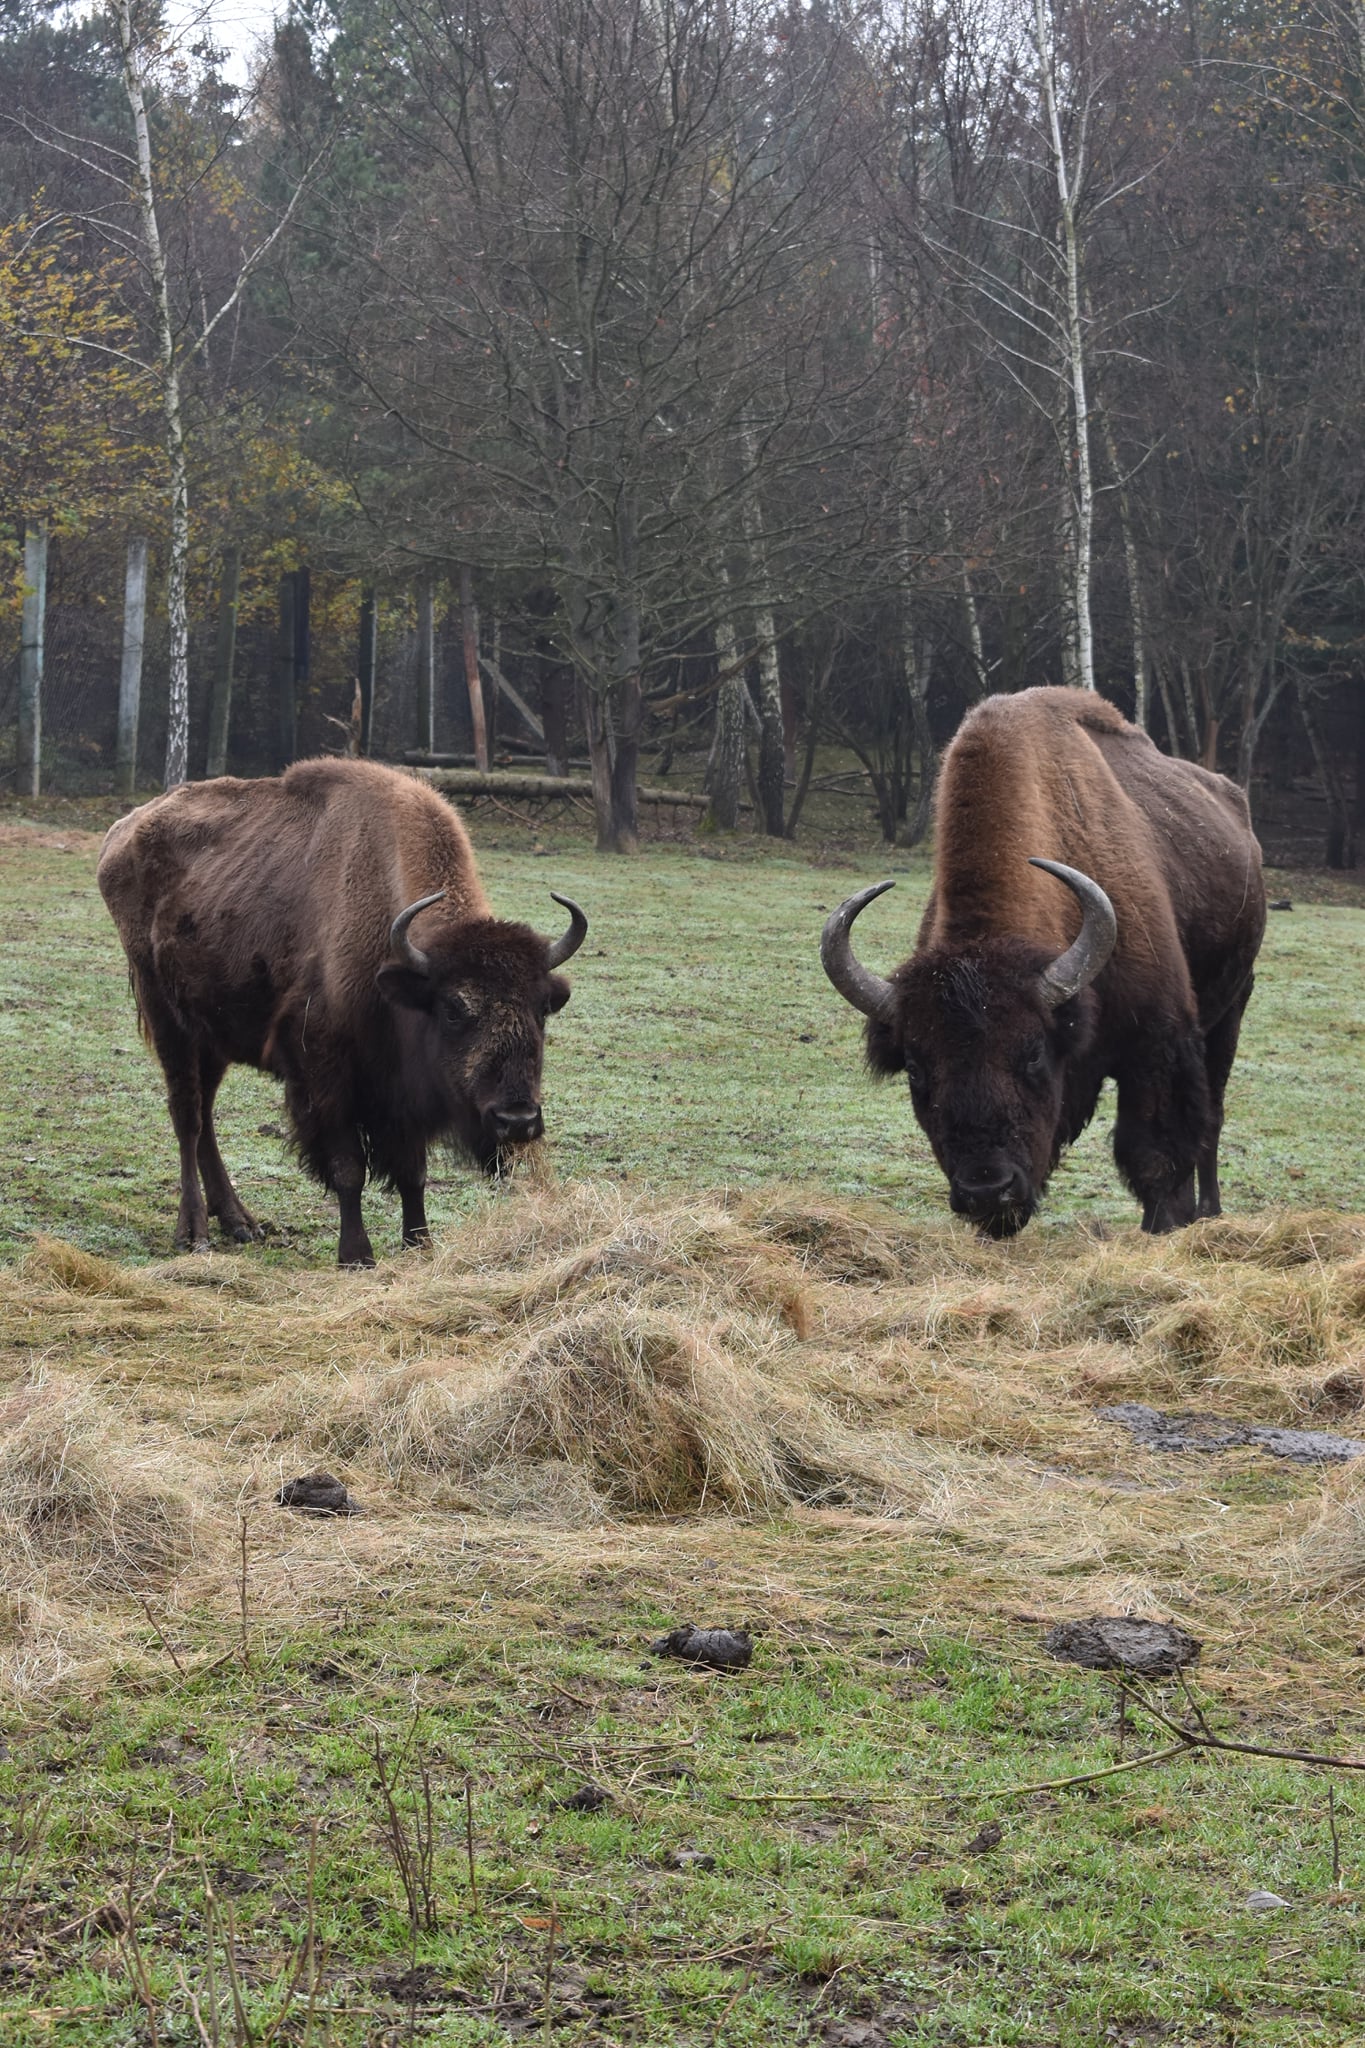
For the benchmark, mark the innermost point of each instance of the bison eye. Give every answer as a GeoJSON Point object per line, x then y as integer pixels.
{"type": "Point", "coordinates": [1035, 1062]}
{"type": "Point", "coordinates": [455, 1011]}
{"type": "Point", "coordinates": [914, 1071]}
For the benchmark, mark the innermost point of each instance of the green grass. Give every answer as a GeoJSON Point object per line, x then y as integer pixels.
{"type": "Point", "coordinates": [702, 1048]}
{"type": "Point", "coordinates": [1119, 1905]}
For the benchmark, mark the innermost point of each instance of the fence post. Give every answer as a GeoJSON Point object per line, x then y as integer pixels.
{"type": "Point", "coordinates": [365, 666]}
{"type": "Point", "coordinates": [130, 669]}
{"type": "Point", "coordinates": [286, 709]}
{"type": "Point", "coordinates": [30, 751]}
{"type": "Point", "coordinates": [224, 654]}
{"type": "Point", "coordinates": [426, 666]}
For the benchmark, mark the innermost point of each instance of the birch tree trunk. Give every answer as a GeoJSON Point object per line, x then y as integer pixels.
{"type": "Point", "coordinates": [31, 644]}
{"type": "Point", "coordinates": [177, 567]}
{"type": "Point", "coordinates": [772, 750]}
{"type": "Point", "coordinates": [224, 655]}
{"type": "Point", "coordinates": [1078, 477]}
{"type": "Point", "coordinates": [1136, 612]}
{"type": "Point", "coordinates": [130, 668]}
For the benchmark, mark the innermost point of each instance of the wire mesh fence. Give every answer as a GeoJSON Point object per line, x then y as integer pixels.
{"type": "Point", "coordinates": [80, 691]}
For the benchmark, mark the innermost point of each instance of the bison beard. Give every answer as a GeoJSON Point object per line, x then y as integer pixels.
{"type": "Point", "coordinates": [270, 923]}
{"type": "Point", "coordinates": [1006, 1022]}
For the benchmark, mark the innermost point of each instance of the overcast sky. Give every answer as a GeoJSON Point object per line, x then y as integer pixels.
{"type": "Point", "coordinates": [239, 27]}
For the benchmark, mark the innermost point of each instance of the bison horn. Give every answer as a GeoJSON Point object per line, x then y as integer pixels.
{"type": "Point", "coordinates": [866, 991]}
{"type": "Point", "coordinates": [412, 956]}
{"type": "Point", "coordinates": [565, 947]}
{"type": "Point", "coordinates": [1077, 967]}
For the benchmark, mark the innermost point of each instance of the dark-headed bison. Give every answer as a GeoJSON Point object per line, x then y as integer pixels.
{"type": "Point", "coordinates": [1053, 813]}
{"type": "Point", "coordinates": [270, 923]}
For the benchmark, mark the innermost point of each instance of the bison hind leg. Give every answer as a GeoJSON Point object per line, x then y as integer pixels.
{"type": "Point", "coordinates": [223, 1200]}
{"type": "Point", "coordinates": [1220, 1050]}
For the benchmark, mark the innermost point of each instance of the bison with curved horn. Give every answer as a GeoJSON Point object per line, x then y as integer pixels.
{"type": "Point", "coordinates": [271, 923]}
{"type": "Point", "coordinates": [1096, 911]}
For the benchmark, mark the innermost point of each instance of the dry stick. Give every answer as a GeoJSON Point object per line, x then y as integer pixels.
{"type": "Point", "coordinates": [549, 1966]}
{"type": "Point", "coordinates": [151, 1620]}
{"type": "Point", "coordinates": [137, 1968]}
{"type": "Point", "coordinates": [469, 1841]}
{"type": "Point", "coordinates": [1207, 1741]}
{"type": "Point", "coordinates": [238, 2005]}
{"type": "Point", "coordinates": [210, 1933]}
{"type": "Point", "coordinates": [241, 1588]}
{"type": "Point", "coordinates": [1336, 1839]}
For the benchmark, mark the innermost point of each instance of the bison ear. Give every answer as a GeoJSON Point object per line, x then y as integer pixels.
{"type": "Point", "coordinates": [405, 987]}
{"type": "Point", "coordinates": [882, 1042]}
{"type": "Point", "coordinates": [559, 994]}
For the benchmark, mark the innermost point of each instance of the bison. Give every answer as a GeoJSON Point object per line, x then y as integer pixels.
{"type": "Point", "coordinates": [270, 923]}
{"type": "Point", "coordinates": [1008, 1018]}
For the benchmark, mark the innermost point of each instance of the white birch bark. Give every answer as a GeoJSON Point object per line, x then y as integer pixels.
{"type": "Point", "coordinates": [1069, 177]}
{"type": "Point", "coordinates": [31, 641]}
{"type": "Point", "coordinates": [178, 558]}
{"type": "Point", "coordinates": [130, 668]}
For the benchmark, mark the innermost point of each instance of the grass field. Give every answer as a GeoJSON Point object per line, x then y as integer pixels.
{"type": "Point", "coordinates": [724, 1359]}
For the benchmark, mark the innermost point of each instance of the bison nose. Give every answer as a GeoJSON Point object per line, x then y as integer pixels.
{"type": "Point", "coordinates": [517, 1126]}
{"type": "Point", "coordinates": [981, 1187]}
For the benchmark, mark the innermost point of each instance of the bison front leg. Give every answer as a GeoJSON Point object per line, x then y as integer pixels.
{"type": "Point", "coordinates": [1162, 1124]}
{"type": "Point", "coordinates": [346, 1171]}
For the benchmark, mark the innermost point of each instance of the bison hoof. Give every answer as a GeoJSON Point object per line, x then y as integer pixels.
{"type": "Point", "coordinates": [245, 1232]}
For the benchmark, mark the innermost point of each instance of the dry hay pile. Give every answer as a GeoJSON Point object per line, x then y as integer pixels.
{"type": "Point", "coordinates": [575, 1360]}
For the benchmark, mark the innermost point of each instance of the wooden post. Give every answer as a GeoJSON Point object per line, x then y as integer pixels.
{"type": "Point", "coordinates": [469, 635]}
{"type": "Point", "coordinates": [365, 666]}
{"type": "Point", "coordinates": [426, 665]}
{"type": "Point", "coordinates": [30, 751]}
{"type": "Point", "coordinates": [224, 653]}
{"type": "Point", "coordinates": [286, 709]}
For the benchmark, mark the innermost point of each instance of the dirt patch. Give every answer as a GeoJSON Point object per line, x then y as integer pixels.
{"type": "Point", "coordinates": [45, 836]}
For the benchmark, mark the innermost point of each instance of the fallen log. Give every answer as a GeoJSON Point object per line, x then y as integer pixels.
{"type": "Point", "coordinates": [469, 782]}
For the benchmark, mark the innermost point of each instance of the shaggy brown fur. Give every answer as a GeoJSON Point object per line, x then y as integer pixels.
{"type": "Point", "coordinates": [1000, 1082]}
{"type": "Point", "coordinates": [256, 916]}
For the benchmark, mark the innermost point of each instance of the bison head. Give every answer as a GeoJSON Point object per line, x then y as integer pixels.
{"type": "Point", "coordinates": [987, 1037]}
{"type": "Point", "coordinates": [477, 1003]}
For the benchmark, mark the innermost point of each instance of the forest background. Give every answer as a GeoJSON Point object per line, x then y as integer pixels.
{"type": "Point", "coordinates": [686, 384]}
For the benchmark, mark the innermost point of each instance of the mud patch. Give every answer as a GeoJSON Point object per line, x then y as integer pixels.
{"type": "Point", "coordinates": [1157, 1431]}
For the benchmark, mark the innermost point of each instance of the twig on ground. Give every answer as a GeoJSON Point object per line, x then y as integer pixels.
{"type": "Point", "coordinates": [1204, 1740]}
{"type": "Point", "coordinates": [469, 1842]}
{"type": "Point", "coordinates": [242, 1589]}
{"type": "Point", "coordinates": [152, 1624]}
{"type": "Point", "coordinates": [133, 1956]}
{"type": "Point", "coordinates": [1336, 1839]}
{"type": "Point", "coordinates": [866, 1798]}
{"type": "Point", "coordinates": [549, 1967]}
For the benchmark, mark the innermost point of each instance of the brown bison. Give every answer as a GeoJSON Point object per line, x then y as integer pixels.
{"type": "Point", "coordinates": [1008, 1019]}
{"type": "Point", "coordinates": [269, 923]}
